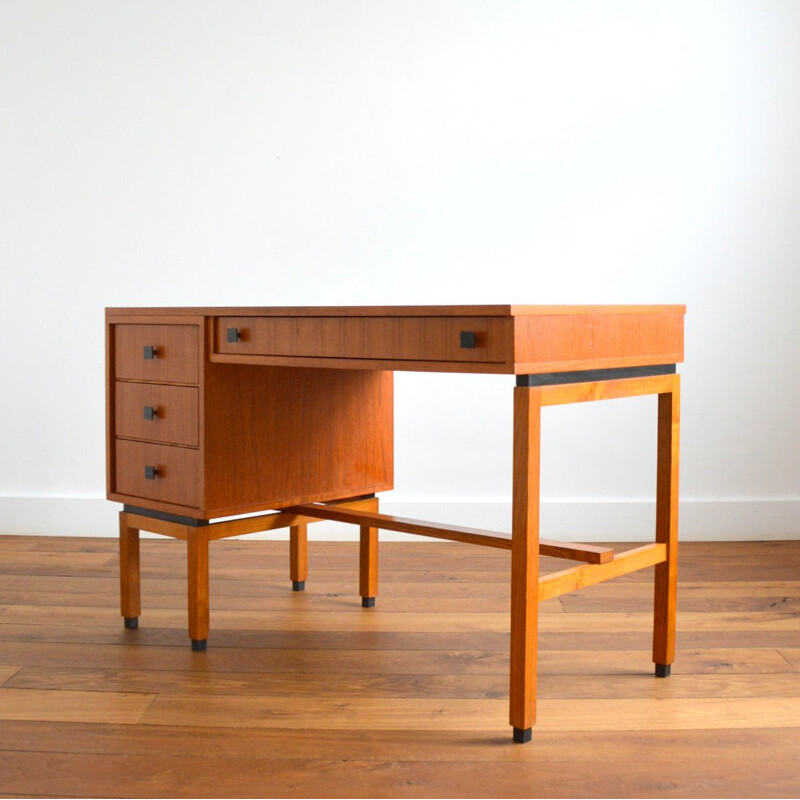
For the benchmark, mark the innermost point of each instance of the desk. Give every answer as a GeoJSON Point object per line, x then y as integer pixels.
{"type": "Point", "coordinates": [220, 412]}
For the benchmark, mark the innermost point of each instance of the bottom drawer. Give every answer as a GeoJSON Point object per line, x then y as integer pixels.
{"type": "Point", "coordinates": [158, 472]}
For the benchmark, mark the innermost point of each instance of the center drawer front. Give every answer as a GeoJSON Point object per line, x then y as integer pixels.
{"type": "Point", "coordinates": [157, 412]}
{"type": "Point", "coordinates": [176, 478]}
{"type": "Point", "coordinates": [156, 352]}
{"type": "Point", "coordinates": [379, 338]}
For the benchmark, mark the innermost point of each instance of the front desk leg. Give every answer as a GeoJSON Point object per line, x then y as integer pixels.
{"type": "Point", "coordinates": [368, 562]}
{"type": "Point", "coordinates": [197, 541]}
{"type": "Point", "coordinates": [525, 561]}
{"type": "Point", "coordinates": [129, 577]}
{"type": "Point", "coordinates": [298, 556]}
{"type": "Point", "coordinates": [666, 583]}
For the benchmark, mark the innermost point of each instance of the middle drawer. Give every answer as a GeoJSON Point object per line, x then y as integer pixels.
{"type": "Point", "coordinates": [157, 413]}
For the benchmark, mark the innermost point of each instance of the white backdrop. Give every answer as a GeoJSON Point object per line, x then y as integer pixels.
{"type": "Point", "coordinates": [280, 153]}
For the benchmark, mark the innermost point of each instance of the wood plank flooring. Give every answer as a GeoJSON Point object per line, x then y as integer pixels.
{"type": "Point", "coordinates": [308, 694]}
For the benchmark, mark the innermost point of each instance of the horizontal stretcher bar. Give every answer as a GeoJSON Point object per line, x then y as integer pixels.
{"type": "Point", "coordinates": [569, 580]}
{"type": "Point", "coordinates": [577, 552]}
{"type": "Point", "coordinates": [224, 529]}
{"type": "Point", "coordinates": [561, 394]}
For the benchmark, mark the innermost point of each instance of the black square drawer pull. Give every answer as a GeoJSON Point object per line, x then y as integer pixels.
{"type": "Point", "coordinates": [468, 340]}
{"type": "Point", "coordinates": [150, 473]}
{"type": "Point", "coordinates": [150, 412]}
{"type": "Point", "coordinates": [150, 352]}
{"type": "Point", "coordinates": [233, 335]}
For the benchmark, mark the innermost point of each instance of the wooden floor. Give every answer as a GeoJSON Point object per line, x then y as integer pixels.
{"type": "Point", "coordinates": [310, 695]}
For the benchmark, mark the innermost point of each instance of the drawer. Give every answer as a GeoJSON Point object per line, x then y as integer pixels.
{"type": "Point", "coordinates": [176, 478]}
{"type": "Point", "coordinates": [156, 352]}
{"type": "Point", "coordinates": [156, 412]}
{"type": "Point", "coordinates": [463, 339]}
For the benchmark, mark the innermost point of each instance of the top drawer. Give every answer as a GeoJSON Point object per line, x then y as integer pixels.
{"type": "Point", "coordinates": [462, 339]}
{"type": "Point", "coordinates": [160, 353]}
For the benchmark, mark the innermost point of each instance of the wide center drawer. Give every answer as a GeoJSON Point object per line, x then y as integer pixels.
{"type": "Point", "coordinates": [157, 412]}
{"type": "Point", "coordinates": [465, 339]}
{"type": "Point", "coordinates": [158, 472]}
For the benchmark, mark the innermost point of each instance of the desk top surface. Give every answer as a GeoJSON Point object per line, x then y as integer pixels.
{"type": "Point", "coordinates": [404, 311]}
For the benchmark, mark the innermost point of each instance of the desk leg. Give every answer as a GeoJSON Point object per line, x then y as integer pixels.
{"type": "Point", "coordinates": [129, 580]}
{"type": "Point", "coordinates": [197, 541]}
{"type": "Point", "coordinates": [666, 582]}
{"type": "Point", "coordinates": [525, 561]}
{"type": "Point", "coordinates": [298, 556]}
{"type": "Point", "coordinates": [368, 562]}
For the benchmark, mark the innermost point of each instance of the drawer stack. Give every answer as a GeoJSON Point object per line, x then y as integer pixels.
{"type": "Point", "coordinates": [156, 402]}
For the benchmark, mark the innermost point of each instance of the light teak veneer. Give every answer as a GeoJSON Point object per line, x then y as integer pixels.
{"type": "Point", "coordinates": [252, 409]}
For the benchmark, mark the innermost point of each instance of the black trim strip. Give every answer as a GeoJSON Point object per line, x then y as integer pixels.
{"type": "Point", "coordinates": [164, 516]}
{"type": "Point", "coordinates": [588, 375]}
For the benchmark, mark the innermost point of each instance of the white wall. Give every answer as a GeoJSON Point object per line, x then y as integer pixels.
{"type": "Point", "coordinates": [279, 153]}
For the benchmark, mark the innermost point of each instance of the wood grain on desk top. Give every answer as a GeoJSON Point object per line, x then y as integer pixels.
{"type": "Point", "coordinates": [401, 311]}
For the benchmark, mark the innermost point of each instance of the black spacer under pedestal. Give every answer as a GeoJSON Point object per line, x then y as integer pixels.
{"type": "Point", "coordinates": [663, 670]}
{"type": "Point", "coordinates": [131, 623]}
{"type": "Point", "coordinates": [522, 735]}
{"type": "Point", "coordinates": [198, 645]}
{"type": "Point", "coordinates": [298, 586]}
{"type": "Point", "coordinates": [367, 602]}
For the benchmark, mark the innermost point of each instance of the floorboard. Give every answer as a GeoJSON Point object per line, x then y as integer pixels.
{"type": "Point", "coordinates": [310, 695]}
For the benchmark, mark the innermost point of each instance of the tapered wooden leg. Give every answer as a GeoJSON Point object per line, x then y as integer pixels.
{"type": "Point", "coordinates": [197, 540]}
{"type": "Point", "coordinates": [298, 556]}
{"type": "Point", "coordinates": [368, 562]}
{"type": "Point", "coordinates": [129, 579]}
{"type": "Point", "coordinates": [666, 583]}
{"type": "Point", "coordinates": [525, 561]}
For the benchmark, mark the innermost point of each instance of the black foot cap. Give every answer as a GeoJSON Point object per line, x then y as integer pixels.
{"type": "Point", "coordinates": [663, 670]}
{"type": "Point", "coordinates": [131, 623]}
{"type": "Point", "coordinates": [367, 602]}
{"type": "Point", "coordinates": [298, 586]}
{"type": "Point", "coordinates": [198, 645]}
{"type": "Point", "coordinates": [522, 735]}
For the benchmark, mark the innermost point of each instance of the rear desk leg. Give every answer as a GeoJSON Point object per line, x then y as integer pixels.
{"type": "Point", "coordinates": [298, 556]}
{"type": "Point", "coordinates": [667, 529]}
{"type": "Point", "coordinates": [129, 580]}
{"type": "Point", "coordinates": [368, 562]}
{"type": "Point", "coordinates": [525, 561]}
{"type": "Point", "coordinates": [197, 541]}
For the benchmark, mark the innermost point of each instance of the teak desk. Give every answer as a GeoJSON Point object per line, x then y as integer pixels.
{"type": "Point", "coordinates": [218, 412]}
